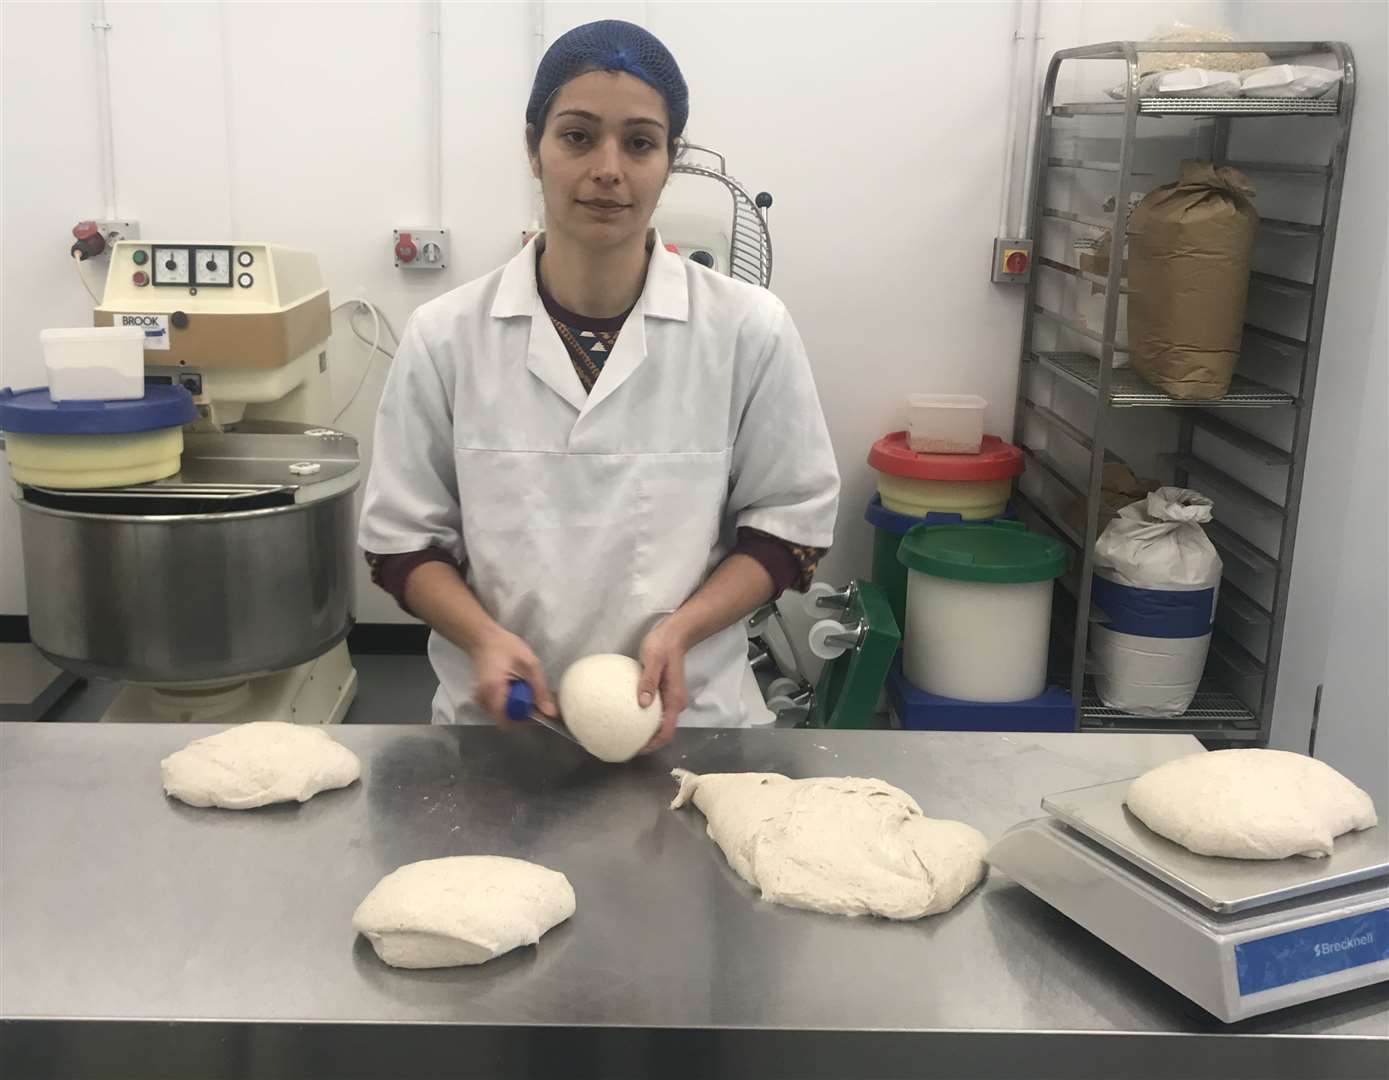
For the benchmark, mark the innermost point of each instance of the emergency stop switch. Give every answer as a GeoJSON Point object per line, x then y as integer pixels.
{"type": "Point", "coordinates": [1012, 261]}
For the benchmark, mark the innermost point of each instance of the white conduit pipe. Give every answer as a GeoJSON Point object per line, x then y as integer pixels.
{"type": "Point", "coordinates": [434, 67]}
{"type": "Point", "coordinates": [229, 116]}
{"type": "Point", "coordinates": [101, 27]}
{"type": "Point", "coordinates": [1034, 93]}
{"type": "Point", "coordinates": [1010, 153]}
{"type": "Point", "coordinates": [537, 52]}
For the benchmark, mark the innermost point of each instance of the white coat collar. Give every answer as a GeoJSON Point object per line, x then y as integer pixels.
{"type": "Point", "coordinates": [666, 294]}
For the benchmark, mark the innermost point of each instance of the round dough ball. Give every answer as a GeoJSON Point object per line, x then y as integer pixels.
{"type": "Point", "coordinates": [1250, 804]}
{"type": "Point", "coordinates": [598, 701]}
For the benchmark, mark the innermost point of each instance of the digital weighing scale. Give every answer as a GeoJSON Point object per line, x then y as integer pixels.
{"type": "Point", "coordinates": [1238, 937]}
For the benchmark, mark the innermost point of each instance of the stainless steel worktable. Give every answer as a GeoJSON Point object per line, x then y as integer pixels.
{"type": "Point", "coordinates": [142, 937]}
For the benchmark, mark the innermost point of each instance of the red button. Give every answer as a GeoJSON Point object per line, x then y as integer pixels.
{"type": "Point", "coordinates": [1016, 262]}
{"type": "Point", "coordinates": [140, 278]}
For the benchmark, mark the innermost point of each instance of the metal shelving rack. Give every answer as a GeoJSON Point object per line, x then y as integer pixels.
{"type": "Point", "coordinates": [1235, 701]}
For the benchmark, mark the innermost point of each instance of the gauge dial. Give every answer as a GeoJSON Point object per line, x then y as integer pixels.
{"type": "Point", "coordinates": [212, 266]}
{"type": "Point", "coordinates": [172, 266]}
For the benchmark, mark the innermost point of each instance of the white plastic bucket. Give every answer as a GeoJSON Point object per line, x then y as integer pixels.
{"type": "Point", "coordinates": [977, 641]}
{"type": "Point", "coordinates": [978, 610]}
{"type": "Point", "coordinates": [95, 363]}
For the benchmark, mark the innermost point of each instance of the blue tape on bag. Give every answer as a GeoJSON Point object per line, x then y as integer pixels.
{"type": "Point", "coordinates": [1311, 952]}
{"type": "Point", "coordinates": [1155, 612]}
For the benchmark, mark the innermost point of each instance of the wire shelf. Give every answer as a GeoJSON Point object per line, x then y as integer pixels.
{"type": "Point", "coordinates": [1198, 106]}
{"type": "Point", "coordinates": [1128, 390]}
{"type": "Point", "coordinates": [1294, 275]}
{"type": "Point", "coordinates": [1075, 326]}
{"type": "Point", "coordinates": [1213, 713]}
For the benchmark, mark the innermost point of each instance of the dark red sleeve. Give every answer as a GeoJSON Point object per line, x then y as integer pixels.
{"type": "Point", "coordinates": [391, 571]}
{"type": "Point", "coordinates": [791, 566]}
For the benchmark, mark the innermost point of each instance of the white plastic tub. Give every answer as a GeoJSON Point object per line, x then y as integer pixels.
{"type": "Point", "coordinates": [946, 423]}
{"type": "Point", "coordinates": [95, 363]}
{"type": "Point", "coordinates": [977, 642]}
{"type": "Point", "coordinates": [978, 610]}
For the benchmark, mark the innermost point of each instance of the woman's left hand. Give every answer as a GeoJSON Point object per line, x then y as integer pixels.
{"type": "Point", "coordinates": [662, 659]}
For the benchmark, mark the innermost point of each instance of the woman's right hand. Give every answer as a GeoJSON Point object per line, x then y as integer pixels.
{"type": "Point", "coordinates": [499, 659]}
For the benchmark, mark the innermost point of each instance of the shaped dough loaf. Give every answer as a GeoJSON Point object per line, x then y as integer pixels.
{"type": "Point", "coordinates": [250, 765]}
{"type": "Point", "coordinates": [464, 909]}
{"type": "Point", "coordinates": [1250, 804]}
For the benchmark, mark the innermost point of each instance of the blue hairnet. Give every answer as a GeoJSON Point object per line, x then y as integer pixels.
{"type": "Point", "coordinates": [609, 45]}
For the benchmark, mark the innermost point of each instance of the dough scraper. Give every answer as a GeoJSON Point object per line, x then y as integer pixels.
{"type": "Point", "coordinates": [520, 706]}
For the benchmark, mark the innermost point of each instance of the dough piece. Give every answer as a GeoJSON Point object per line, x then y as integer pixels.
{"type": "Point", "coordinates": [840, 845]}
{"type": "Point", "coordinates": [464, 909]}
{"type": "Point", "coordinates": [255, 764]}
{"type": "Point", "coordinates": [598, 700]}
{"type": "Point", "coordinates": [1250, 804]}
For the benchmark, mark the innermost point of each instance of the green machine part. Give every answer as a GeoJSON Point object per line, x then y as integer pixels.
{"type": "Point", "coordinates": [851, 684]}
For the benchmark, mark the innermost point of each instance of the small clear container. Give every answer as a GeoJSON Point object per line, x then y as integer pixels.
{"type": "Point", "coordinates": [95, 363]}
{"type": "Point", "coordinates": [946, 423]}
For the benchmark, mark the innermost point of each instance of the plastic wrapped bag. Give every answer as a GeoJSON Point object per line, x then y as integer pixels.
{"type": "Point", "coordinates": [1157, 577]}
{"type": "Point", "coordinates": [1187, 82]}
{"type": "Point", "coordinates": [1196, 58]}
{"type": "Point", "coordinates": [1289, 81]}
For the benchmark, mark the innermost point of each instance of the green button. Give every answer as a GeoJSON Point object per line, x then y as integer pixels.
{"type": "Point", "coordinates": [140, 256]}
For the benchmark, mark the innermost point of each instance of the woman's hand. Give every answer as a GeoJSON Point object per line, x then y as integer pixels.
{"type": "Point", "coordinates": [662, 659]}
{"type": "Point", "coordinates": [499, 659]}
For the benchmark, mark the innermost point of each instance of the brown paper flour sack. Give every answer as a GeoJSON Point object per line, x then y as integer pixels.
{"type": "Point", "coordinates": [1189, 246]}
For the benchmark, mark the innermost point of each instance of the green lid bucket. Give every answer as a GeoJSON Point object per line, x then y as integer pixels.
{"type": "Point", "coordinates": [1001, 552]}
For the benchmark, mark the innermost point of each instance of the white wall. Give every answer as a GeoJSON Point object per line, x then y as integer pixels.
{"type": "Point", "coordinates": [1338, 616]}
{"type": "Point", "coordinates": [303, 124]}
{"type": "Point", "coordinates": [878, 127]}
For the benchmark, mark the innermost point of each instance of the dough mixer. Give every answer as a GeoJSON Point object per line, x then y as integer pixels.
{"type": "Point", "coordinates": [222, 590]}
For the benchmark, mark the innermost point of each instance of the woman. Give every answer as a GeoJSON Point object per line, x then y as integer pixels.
{"type": "Point", "coordinates": [601, 446]}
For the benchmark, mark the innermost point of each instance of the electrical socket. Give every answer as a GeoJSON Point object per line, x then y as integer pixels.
{"type": "Point", "coordinates": [417, 248]}
{"type": "Point", "coordinates": [115, 231]}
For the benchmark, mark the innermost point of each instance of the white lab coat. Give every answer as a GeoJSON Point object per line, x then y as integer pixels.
{"type": "Point", "coordinates": [582, 520]}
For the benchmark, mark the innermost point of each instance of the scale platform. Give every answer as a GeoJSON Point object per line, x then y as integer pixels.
{"type": "Point", "coordinates": [1238, 937]}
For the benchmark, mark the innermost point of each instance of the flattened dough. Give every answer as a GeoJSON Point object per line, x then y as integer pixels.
{"type": "Point", "coordinates": [256, 764]}
{"type": "Point", "coordinates": [841, 845]}
{"type": "Point", "coordinates": [1250, 804]}
{"type": "Point", "coordinates": [464, 909]}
